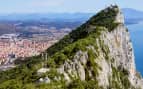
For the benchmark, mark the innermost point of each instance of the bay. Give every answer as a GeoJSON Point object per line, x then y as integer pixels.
{"type": "Point", "coordinates": [136, 33]}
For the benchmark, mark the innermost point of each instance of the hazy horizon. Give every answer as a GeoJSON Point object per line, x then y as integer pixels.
{"type": "Point", "coordinates": [26, 13]}
{"type": "Point", "coordinates": [63, 6]}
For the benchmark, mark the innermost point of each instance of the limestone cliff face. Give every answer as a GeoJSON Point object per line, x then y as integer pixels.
{"type": "Point", "coordinates": [114, 61]}
{"type": "Point", "coordinates": [97, 55]}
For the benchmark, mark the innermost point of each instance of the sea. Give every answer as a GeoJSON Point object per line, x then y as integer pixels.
{"type": "Point", "coordinates": [136, 33]}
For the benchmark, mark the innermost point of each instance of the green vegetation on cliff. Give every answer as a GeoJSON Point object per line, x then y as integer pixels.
{"type": "Point", "coordinates": [25, 76]}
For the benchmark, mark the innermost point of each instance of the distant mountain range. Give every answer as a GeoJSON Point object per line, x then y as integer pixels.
{"type": "Point", "coordinates": [131, 16]}
{"type": "Point", "coordinates": [132, 13]}
{"type": "Point", "coordinates": [47, 17]}
{"type": "Point", "coordinates": [9, 23]}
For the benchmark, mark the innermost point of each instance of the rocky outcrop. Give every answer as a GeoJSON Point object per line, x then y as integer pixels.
{"type": "Point", "coordinates": [97, 55]}
{"type": "Point", "coordinates": [115, 53]}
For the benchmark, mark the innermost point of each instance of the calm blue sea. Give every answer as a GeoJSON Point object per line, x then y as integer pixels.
{"type": "Point", "coordinates": [136, 32]}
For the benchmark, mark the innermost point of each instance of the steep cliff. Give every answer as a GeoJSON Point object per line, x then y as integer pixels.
{"type": "Point", "coordinates": [97, 55]}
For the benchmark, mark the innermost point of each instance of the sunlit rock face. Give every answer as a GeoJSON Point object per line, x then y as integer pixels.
{"type": "Point", "coordinates": [114, 59]}
{"type": "Point", "coordinates": [97, 55]}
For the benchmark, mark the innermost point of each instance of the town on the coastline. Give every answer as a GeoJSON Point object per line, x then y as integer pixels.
{"type": "Point", "coordinates": [13, 46]}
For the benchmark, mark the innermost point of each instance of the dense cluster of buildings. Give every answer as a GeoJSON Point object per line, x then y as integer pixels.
{"type": "Point", "coordinates": [12, 47]}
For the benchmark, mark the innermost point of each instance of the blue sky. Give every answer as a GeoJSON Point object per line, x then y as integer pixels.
{"type": "Point", "coordinates": [46, 6]}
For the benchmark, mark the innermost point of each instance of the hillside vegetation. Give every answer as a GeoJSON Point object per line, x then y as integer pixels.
{"type": "Point", "coordinates": [25, 75]}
